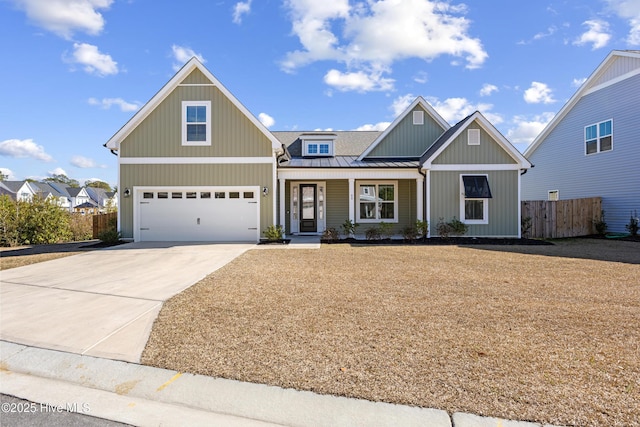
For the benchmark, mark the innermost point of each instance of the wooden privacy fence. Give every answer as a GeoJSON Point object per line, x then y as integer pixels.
{"type": "Point", "coordinates": [104, 222]}
{"type": "Point", "coordinates": [561, 218]}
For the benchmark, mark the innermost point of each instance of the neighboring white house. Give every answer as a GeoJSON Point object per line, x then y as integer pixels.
{"type": "Point", "coordinates": [592, 146]}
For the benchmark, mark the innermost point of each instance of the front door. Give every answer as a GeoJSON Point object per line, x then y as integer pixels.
{"type": "Point", "coordinates": [308, 214]}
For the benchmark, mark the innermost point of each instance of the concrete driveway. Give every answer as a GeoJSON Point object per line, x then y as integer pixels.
{"type": "Point", "coordinates": [102, 303]}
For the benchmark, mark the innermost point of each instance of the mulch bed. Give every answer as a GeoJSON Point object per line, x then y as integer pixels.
{"type": "Point", "coordinates": [441, 241]}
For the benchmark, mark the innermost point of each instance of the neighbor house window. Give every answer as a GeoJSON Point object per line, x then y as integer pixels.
{"type": "Point", "coordinates": [599, 137]}
{"type": "Point", "coordinates": [378, 202]}
{"type": "Point", "coordinates": [196, 122]}
{"type": "Point", "coordinates": [474, 199]}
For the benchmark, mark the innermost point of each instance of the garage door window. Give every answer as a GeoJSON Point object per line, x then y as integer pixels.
{"type": "Point", "coordinates": [205, 195]}
{"type": "Point", "coordinates": [191, 194]}
{"type": "Point", "coordinates": [163, 195]}
{"type": "Point", "coordinates": [146, 195]}
{"type": "Point", "coordinates": [220, 194]}
{"type": "Point", "coordinates": [176, 195]}
{"type": "Point", "coordinates": [234, 194]}
{"type": "Point", "coordinates": [248, 194]}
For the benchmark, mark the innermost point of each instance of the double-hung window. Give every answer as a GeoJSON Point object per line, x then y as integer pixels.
{"type": "Point", "coordinates": [599, 137]}
{"type": "Point", "coordinates": [377, 202]}
{"type": "Point", "coordinates": [474, 199]}
{"type": "Point", "coordinates": [196, 122]}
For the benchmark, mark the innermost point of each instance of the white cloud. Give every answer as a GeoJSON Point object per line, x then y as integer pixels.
{"type": "Point", "coordinates": [578, 82]}
{"type": "Point", "coordinates": [359, 81]}
{"type": "Point", "coordinates": [58, 171]}
{"type": "Point", "coordinates": [241, 8]}
{"type": "Point", "coordinates": [526, 130]}
{"type": "Point", "coordinates": [182, 54]}
{"type": "Point", "coordinates": [597, 34]}
{"type": "Point", "coordinates": [455, 109]}
{"type": "Point", "coordinates": [93, 60]}
{"type": "Point", "coordinates": [421, 77]}
{"type": "Point", "coordinates": [24, 148]}
{"type": "Point", "coordinates": [64, 17]}
{"type": "Point", "coordinates": [85, 163]}
{"type": "Point", "coordinates": [106, 104]}
{"type": "Point", "coordinates": [629, 9]}
{"type": "Point", "coordinates": [380, 126]}
{"type": "Point", "coordinates": [266, 120]}
{"type": "Point", "coordinates": [369, 37]}
{"type": "Point", "coordinates": [538, 93]}
{"type": "Point", "coordinates": [488, 89]}
{"type": "Point", "coordinates": [8, 173]}
{"type": "Point", "coordinates": [401, 103]}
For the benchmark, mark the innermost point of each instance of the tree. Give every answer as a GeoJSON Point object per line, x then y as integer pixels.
{"type": "Point", "coordinates": [3, 176]}
{"type": "Point", "coordinates": [63, 179]}
{"type": "Point", "coordinates": [98, 184]}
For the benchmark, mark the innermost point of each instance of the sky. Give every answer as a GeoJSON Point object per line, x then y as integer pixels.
{"type": "Point", "coordinates": [75, 71]}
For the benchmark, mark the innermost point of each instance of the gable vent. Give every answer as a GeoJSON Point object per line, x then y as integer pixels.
{"type": "Point", "coordinates": [473, 137]}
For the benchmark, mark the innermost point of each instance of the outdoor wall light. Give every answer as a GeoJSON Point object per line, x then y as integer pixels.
{"type": "Point", "coordinates": [265, 191]}
{"type": "Point", "coordinates": [127, 192]}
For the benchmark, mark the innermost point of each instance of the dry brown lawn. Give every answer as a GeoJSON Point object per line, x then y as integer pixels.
{"type": "Point", "coordinates": [541, 333]}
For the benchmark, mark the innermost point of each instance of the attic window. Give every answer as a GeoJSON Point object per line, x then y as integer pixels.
{"type": "Point", "coordinates": [473, 137]}
{"type": "Point", "coordinates": [196, 122]}
{"type": "Point", "coordinates": [418, 117]}
{"type": "Point", "coordinates": [317, 148]}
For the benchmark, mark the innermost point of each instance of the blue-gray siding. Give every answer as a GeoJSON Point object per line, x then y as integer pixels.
{"type": "Point", "coordinates": [561, 163]}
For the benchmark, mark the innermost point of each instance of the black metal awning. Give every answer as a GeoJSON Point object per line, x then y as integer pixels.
{"type": "Point", "coordinates": [476, 187]}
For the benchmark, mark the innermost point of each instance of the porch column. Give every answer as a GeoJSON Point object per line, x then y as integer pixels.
{"type": "Point", "coordinates": [352, 201]}
{"type": "Point", "coordinates": [427, 193]}
{"type": "Point", "coordinates": [419, 198]}
{"type": "Point", "coordinates": [282, 220]}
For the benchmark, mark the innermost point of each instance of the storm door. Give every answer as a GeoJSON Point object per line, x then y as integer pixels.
{"type": "Point", "coordinates": [308, 209]}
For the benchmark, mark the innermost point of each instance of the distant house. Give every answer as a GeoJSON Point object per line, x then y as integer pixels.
{"type": "Point", "coordinates": [102, 198]}
{"type": "Point", "coordinates": [21, 190]}
{"type": "Point", "coordinates": [56, 193]}
{"type": "Point", "coordinates": [195, 164]}
{"type": "Point", "coordinates": [592, 146]}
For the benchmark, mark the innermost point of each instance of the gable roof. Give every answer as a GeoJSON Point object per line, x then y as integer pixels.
{"type": "Point", "coordinates": [597, 80]}
{"type": "Point", "coordinates": [453, 132]}
{"type": "Point", "coordinates": [114, 142]}
{"type": "Point", "coordinates": [418, 101]}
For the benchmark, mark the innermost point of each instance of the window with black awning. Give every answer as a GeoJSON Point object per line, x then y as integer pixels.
{"type": "Point", "coordinates": [476, 187]}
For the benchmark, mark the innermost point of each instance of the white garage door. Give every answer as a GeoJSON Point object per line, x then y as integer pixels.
{"type": "Point", "coordinates": [216, 214]}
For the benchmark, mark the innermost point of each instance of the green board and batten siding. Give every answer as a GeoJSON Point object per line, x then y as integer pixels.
{"type": "Point", "coordinates": [159, 135]}
{"type": "Point", "coordinates": [232, 133]}
{"type": "Point", "coordinates": [407, 139]}
{"type": "Point", "coordinates": [461, 153]}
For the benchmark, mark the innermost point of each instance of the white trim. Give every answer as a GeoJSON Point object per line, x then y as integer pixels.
{"type": "Point", "coordinates": [352, 200]}
{"type": "Point", "coordinates": [195, 84]}
{"type": "Point", "coordinates": [377, 184]}
{"type": "Point", "coordinates": [419, 199]}
{"type": "Point", "coordinates": [282, 220]}
{"type": "Point", "coordinates": [294, 224]}
{"type": "Point", "coordinates": [427, 188]}
{"type": "Point", "coordinates": [194, 160]}
{"type": "Point", "coordinates": [317, 143]}
{"type": "Point", "coordinates": [478, 167]}
{"type": "Point", "coordinates": [351, 173]}
{"type": "Point", "coordinates": [207, 122]}
{"type": "Point", "coordinates": [418, 101]}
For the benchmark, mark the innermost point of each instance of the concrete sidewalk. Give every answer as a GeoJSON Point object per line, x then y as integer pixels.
{"type": "Point", "coordinates": [146, 396]}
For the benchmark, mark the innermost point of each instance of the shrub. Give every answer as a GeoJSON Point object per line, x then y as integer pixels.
{"type": "Point", "coordinates": [409, 233]}
{"type": "Point", "coordinates": [273, 233]}
{"type": "Point", "coordinates": [349, 228]}
{"type": "Point", "coordinates": [454, 227]}
{"type": "Point", "coordinates": [373, 233]}
{"type": "Point", "coordinates": [109, 236]}
{"type": "Point", "coordinates": [600, 225]}
{"type": "Point", "coordinates": [422, 228]}
{"type": "Point", "coordinates": [9, 235]}
{"type": "Point", "coordinates": [459, 228]}
{"type": "Point", "coordinates": [386, 230]}
{"type": "Point", "coordinates": [632, 227]}
{"type": "Point", "coordinates": [330, 234]}
{"type": "Point", "coordinates": [42, 221]}
{"type": "Point", "coordinates": [81, 227]}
